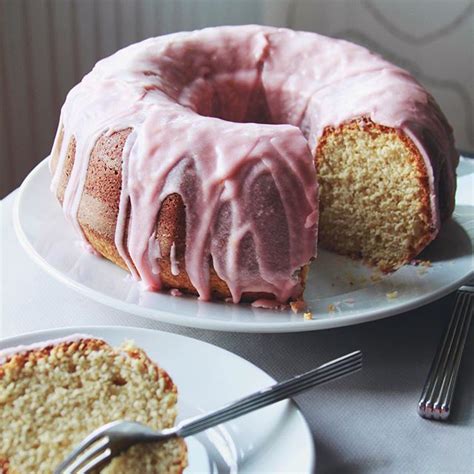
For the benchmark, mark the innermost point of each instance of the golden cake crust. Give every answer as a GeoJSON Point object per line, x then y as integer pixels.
{"type": "Point", "coordinates": [98, 210]}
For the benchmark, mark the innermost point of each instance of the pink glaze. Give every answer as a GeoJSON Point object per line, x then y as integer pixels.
{"type": "Point", "coordinates": [230, 118]}
{"type": "Point", "coordinates": [10, 351]}
{"type": "Point", "coordinates": [174, 262]}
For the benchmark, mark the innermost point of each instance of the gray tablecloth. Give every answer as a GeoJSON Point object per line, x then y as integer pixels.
{"type": "Point", "coordinates": [362, 424]}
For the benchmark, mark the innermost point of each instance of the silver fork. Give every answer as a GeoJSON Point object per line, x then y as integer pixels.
{"type": "Point", "coordinates": [437, 395]}
{"type": "Point", "coordinates": [110, 440]}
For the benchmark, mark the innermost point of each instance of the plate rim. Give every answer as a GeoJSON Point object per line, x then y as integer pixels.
{"type": "Point", "coordinates": [215, 324]}
{"type": "Point", "coordinates": [58, 332]}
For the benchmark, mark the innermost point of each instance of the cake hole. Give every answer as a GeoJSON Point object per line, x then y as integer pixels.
{"type": "Point", "coordinates": [119, 381]}
{"type": "Point", "coordinates": [229, 99]}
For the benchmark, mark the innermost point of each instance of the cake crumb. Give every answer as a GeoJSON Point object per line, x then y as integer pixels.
{"type": "Point", "coordinates": [307, 315]}
{"type": "Point", "coordinates": [391, 295]}
{"type": "Point", "coordinates": [297, 306]}
{"type": "Point", "coordinates": [331, 308]}
{"type": "Point", "coordinates": [421, 263]}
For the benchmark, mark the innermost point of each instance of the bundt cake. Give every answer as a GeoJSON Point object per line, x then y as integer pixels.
{"type": "Point", "coordinates": [53, 394]}
{"type": "Point", "coordinates": [193, 160]}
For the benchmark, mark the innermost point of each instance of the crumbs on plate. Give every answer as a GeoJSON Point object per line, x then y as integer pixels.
{"type": "Point", "coordinates": [391, 295]}
{"type": "Point", "coordinates": [300, 306]}
{"type": "Point", "coordinates": [423, 266]}
{"type": "Point", "coordinates": [421, 271]}
{"type": "Point", "coordinates": [421, 263]}
{"type": "Point", "coordinates": [376, 277]}
{"type": "Point", "coordinates": [331, 308]}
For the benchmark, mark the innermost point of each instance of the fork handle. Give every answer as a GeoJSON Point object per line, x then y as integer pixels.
{"type": "Point", "coordinates": [340, 367]}
{"type": "Point", "coordinates": [437, 395]}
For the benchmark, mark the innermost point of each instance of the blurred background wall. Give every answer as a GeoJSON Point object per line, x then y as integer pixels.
{"type": "Point", "coordinates": [46, 46]}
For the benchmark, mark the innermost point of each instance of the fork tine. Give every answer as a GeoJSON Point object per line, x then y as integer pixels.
{"type": "Point", "coordinates": [99, 461]}
{"type": "Point", "coordinates": [83, 445]}
{"type": "Point", "coordinates": [88, 454]}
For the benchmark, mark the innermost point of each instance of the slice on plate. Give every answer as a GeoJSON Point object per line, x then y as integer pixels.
{"type": "Point", "coordinates": [53, 394]}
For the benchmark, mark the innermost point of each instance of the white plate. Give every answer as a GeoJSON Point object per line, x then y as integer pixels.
{"type": "Point", "coordinates": [333, 280]}
{"type": "Point", "coordinates": [273, 439]}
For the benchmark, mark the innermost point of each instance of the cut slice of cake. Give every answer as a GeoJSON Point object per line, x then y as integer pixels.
{"type": "Point", "coordinates": [53, 394]}
{"type": "Point", "coordinates": [374, 195]}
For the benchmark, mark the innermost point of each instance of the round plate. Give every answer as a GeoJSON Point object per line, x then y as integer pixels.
{"type": "Point", "coordinates": [214, 378]}
{"type": "Point", "coordinates": [339, 291]}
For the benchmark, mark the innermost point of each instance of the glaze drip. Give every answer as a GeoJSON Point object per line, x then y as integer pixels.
{"type": "Point", "coordinates": [229, 118]}
{"type": "Point", "coordinates": [174, 262]}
